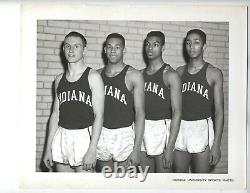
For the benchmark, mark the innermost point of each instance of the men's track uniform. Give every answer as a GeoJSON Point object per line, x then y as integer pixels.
{"type": "Point", "coordinates": [76, 117]}
{"type": "Point", "coordinates": [196, 130]}
{"type": "Point", "coordinates": [158, 113]}
{"type": "Point", "coordinates": [117, 137]}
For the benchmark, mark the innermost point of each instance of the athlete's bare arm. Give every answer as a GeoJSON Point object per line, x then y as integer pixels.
{"type": "Point", "coordinates": [135, 82]}
{"type": "Point", "coordinates": [100, 70]}
{"type": "Point", "coordinates": [215, 78]}
{"type": "Point", "coordinates": [180, 70]}
{"type": "Point", "coordinates": [53, 126]}
{"type": "Point", "coordinates": [97, 88]}
{"type": "Point", "coordinates": [173, 81]}
{"type": "Point", "coordinates": [142, 70]}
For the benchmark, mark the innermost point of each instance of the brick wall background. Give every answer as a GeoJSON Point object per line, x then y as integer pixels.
{"type": "Point", "coordinates": [50, 34]}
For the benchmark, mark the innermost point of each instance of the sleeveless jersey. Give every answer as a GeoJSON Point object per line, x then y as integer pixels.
{"type": "Point", "coordinates": [197, 95]}
{"type": "Point", "coordinates": [119, 101]}
{"type": "Point", "coordinates": [75, 102]}
{"type": "Point", "coordinates": [157, 96]}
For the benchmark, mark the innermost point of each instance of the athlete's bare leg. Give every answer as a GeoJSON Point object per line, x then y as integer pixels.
{"type": "Point", "coordinates": [147, 161]}
{"type": "Point", "coordinates": [100, 164]}
{"type": "Point", "coordinates": [159, 165]}
{"type": "Point", "coordinates": [200, 161]}
{"type": "Point", "coordinates": [80, 169]}
{"type": "Point", "coordinates": [63, 168]}
{"type": "Point", "coordinates": [124, 165]}
{"type": "Point", "coordinates": [182, 161]}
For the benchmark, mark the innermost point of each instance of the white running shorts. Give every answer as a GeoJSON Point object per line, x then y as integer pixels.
{"type": "Point", "coordinates": [156, 136]}
{"type": "Point", "coordinates": [116, 144]}
{"type": "Point", "coordinates": [195, 136]}
{"type": "Point", "coordinates": [70, 145]}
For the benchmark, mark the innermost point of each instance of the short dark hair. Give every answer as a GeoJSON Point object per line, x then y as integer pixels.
{"type": "Point", "coordinates": [157, 34]}
{"type": "Point", "coordinates": [116, 35]}
{"type": "Point", "coordinates": [199, 32]}
{"type": "Point", "coordinates": [77, 34]}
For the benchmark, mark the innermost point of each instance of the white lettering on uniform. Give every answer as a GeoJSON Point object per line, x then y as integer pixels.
{"type": "Point", "coordinates": [88, 101]}
{"type": "Point", "coordinates": [205, 94]}
{"type": "Point", "coordinates": [155, 87]}
{"type": "Point", "coordinates": [184, 87]}
{"type": "Point", "coordinates": [159, 91]}
{"type": "Point", "coordinates": [81, 96]}
{"type": "Point", "coordinates": [188, 86]}
{"type": "Point", "coordinates": [149, 87]}
{"type": "Point", "coordinates": [116, 93]}
{"type": "Point", "coordinates": [199, 90]}
{"type": "Point", "coordinates": [123, 99]}
{"type": "Point", "coordinates": [195, 88]}
{"type": "Point", "coordinates": [72, 96]}
{"type": "Point", "coordinates": [110, 91]}
{"type": "Point", "coordinates": [64, 97]}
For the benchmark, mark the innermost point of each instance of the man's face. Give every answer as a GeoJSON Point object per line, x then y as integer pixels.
{"type": "Point", "coordinates": [153, 47]}
{"type": "Point", "coordinates": [73, 49]}
{"type": "Point", "coordinates": [114, 50]}
{"type": "Point", "coordinates": [194, 45]}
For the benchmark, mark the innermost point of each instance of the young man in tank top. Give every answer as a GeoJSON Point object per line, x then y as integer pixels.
{"type": "Point", "coordinates": [123, 126]}
{"type": "Point", "coordinates": [77, 112]}
{"type": "Point", "coordinates": [162, 107]}
{"type": "Point", "coordinates": [198, 144]}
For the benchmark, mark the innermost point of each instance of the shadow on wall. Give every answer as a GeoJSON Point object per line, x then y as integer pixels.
{"type": "Point", "coordinates": [104, 56]}
{"type": "Point", "coordinates": [144, 55]}
{"type": "Point", "coordinates": [184, 51]}
{"type": "Point", "coordinates": [63, 59]}
{"type": "Point", "coordinates": [42, 167]}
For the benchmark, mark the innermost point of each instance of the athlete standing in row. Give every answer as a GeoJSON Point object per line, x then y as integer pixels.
{"type": "Point", "coordinates": [78, 109]}
{"type": "Point", "coordinates": [123, 126]}
{"type": "Point", "coordinates": [197, 144]}
{"type": "Point", "coordinates": [162, 107]}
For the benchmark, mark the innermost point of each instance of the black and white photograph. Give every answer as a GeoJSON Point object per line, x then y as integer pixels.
{"type": "Point", "coordinates": [181, 130]}
{"type": "Point", "coordinates": [143, 96]}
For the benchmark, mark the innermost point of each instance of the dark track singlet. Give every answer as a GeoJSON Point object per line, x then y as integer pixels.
{"type": "Point", "coordinates": [197, 95]}
{"type": "Point", "coordinates": [119, 101]}
{"type": "Point", "coordinates": [75, 102]}
{"type": "Point", "coordinates": [157, 96]}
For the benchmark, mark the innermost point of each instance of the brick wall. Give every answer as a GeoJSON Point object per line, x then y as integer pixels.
{"type": "Point", "coordinates": [50, 34]}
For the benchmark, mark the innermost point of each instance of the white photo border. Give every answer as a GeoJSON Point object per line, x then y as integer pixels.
{"type": "Point", "coordinates": [235, 15]}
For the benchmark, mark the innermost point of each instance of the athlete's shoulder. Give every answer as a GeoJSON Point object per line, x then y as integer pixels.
{"type": "Point", "coordinates": [133, 74]}
{"type": "Point", "coordinates": [214, 72]}
{"type": "Point", "coordinates": [142, 70]}
{"type": "Point", "coordinates": [133, 71]}
{"type": "Point", "coordinates": [93, 73]}
{"type": "Point", "coordinates": [94, 78]}
{"type": "Point", "coordinates": [100, 70]}
{"type": "Point", "coordinates": [180, 69]}
{"type": "Point", "coordinates": [58, 78]}
{"type": "Point", "coordinates": [170, 75]}
{"type": "Point", "coordinates": [168, 69]}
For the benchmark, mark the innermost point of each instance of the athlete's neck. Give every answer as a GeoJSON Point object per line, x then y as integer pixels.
{"type": "Point", "coordinates": [76, 68]}
{"type": "Point", "coordinates": [196, 63]}
{"type": "Point", "coordinates": [115, 67]}
{"type": "Point", "coordinates": [155, 64]}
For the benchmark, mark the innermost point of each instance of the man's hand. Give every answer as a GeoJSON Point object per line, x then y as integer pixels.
{"type": "Point", "coordinates": [89, 159]}
{"type": "Point", "coordinates": [168, 157]}
{"type": "Point", "coordinates": [47, 159]}
{"type": "Point", "coordinates": [215, 155]}
{"type": "Point", "coordinates": [134, 158]}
